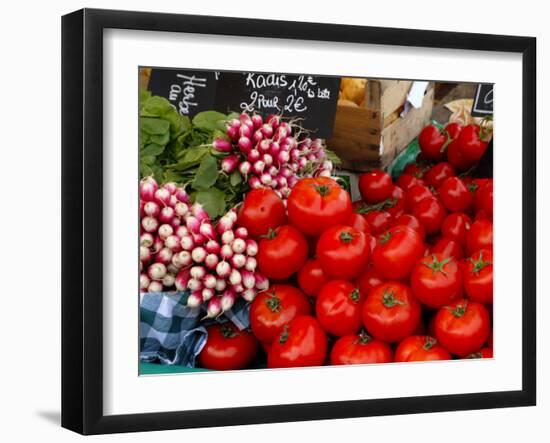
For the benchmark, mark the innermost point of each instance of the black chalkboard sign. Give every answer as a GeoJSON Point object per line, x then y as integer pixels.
{"type": "Point", "coordinates": [190, 92]}
{"type": "Point", "coordinates": [483, 100]}
{"type": "Point", "coordinates": [311, 98]}
{"type": "Point", "coordinates": [308, 97]}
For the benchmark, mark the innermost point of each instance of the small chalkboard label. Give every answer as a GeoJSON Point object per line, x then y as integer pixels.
{"type": "Point", "coordinates": [311, 98]}
{"type": "Point", "coordinates": [190, 92]}
{"type": "Point", "coordinates": [483, 100]}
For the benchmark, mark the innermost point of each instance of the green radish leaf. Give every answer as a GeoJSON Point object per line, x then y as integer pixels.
{"type": "Point", "coordinates": [155, 107]}
{"type": "Point", "coordinates": [333, 158]}
{"type": "Point", "coordinates": [160, 139]}
{"type": "Point", "coordinates": [235, 178]}
{"type": "Point", "coordinates": [148, 159]}
{"type": "Point", "coordinates": [152, 149]}
{"type": "Point", "coordinates": [178, 123]}
{"type": "Point", "coordinates": [154, 126]}
{"type": "Point", "coordinates": [210, 120]}
{"type": "Point", "coordinates": [206, 174]}
{"type": "Point", "coordinates": [145, 170]}
{"type": "Point", "coordinates": [213, 201]}
{"type": "Point", "coordinates": [192, 155]}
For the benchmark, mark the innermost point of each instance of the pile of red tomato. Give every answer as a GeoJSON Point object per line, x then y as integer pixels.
{"type": "Point", "coordinates": [404, 274]}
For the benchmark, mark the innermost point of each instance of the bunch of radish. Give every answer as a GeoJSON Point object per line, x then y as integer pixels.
{"type": "Point", "coordinates": [181, 249]}
{"type": "Point", "coordinates": [272, 153]}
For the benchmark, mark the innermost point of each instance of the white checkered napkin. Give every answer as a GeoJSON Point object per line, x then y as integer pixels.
{"type": "Point", "coordinates": [170, 332]}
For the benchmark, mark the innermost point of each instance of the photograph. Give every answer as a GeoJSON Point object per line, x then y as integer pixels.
{"type": "Point", "coordinates": [291, 220]}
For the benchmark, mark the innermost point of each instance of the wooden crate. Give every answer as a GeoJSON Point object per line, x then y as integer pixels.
{"type": "Point", "coordinates": [371, 137]}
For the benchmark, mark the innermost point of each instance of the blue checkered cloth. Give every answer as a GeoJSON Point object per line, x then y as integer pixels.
{"type": "Point", "coordinates": [172, 334]}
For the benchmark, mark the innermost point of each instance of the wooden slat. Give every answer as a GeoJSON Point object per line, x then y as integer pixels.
{"type": "Point", "coordinates": [393, 94]}
{"type": "Point", "coordinates": [400, 133]}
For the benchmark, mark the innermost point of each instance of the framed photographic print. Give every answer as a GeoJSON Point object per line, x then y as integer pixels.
{"type": "Point", "coordinates": [267, 221]}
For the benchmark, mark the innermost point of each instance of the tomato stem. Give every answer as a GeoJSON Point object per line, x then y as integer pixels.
{"type": "Point", "coordinates": [355, 295]}
{"type": "Point", "coordinates": [346, 237]}
{"type": "Point", "coordinates": [273, 302]}
{"type": "Point", "coordinates": [472, 187]}
{"type": "Point", "coordinates": [429, 343]}
{"type": "Point", "coordinates": [228, 332]}
{"type": "Point", "coordinates": [271, 234]}
{"type": "Point", "coordinates": [436, 265]}
{"type": "Point", "coordinates": [323, 190]}
{"type": "Point", "coordinates": [460, 310]}
{"type": "Point", "coordinates": [447, 142]}
{"type": "Point", "coordinates": [284, 335]}
{"type": "Point", "coordinates": [364, 338]}
{"type": "Point", "coordinates": [385, 237]}
{"type": "Point", "coordinates": [365, 208]}
{"type": "Point", "coordinates": [389, 300]}
{"type": "Point", "coordinates": [479, 264]}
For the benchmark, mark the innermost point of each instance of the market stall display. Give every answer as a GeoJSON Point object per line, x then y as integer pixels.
{"type": "Point", "coordinates": [249, 208]}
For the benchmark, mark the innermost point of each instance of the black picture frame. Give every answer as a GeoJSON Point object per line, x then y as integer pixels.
{"type": "Point", "coordinates": [82, 218]}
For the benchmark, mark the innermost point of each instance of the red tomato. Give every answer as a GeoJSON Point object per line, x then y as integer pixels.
{"type": "Point", "coordinates": [397, 252]}
{"type": "Point", "coordinates": [282, 253]}
{"type": "Point", "coordinates": [407, 181]}
{"type": "Point", "coordinates": [227, 348]}
{"type": "Point", "coordinates": [416, 194]}
{"type": "Point", "coordinates": [480, 236]}
{"type": "Point", "coordinates": [482, 353]}
{"type": "Point", "coordinates": [338, 308]}
{"type": "Point", "coordinates": [482, 215]}
{"type": "Point", "coordinates": [430, 213]}
{"type": "Point", "coordinates": [261, 211]}
{"type": "Point", "coordinates": [359, 222]}
{"type": "Point", "coordinates": [357, 349]}
{"type": "Point", "coordinates": [472, 147]}
{"type": "Point", "coordinates": [412, 222]}
{"type": "Point", "coordinates": [455, 195]}
{"type": "Point", "coordinates": [379, 221]}
{"type": "Point", "coordinates": [375, 186]}
{"type": "Point", "coordinates": [462, 327]}
{"type": "Point", "coordinates": [439, 173]}
{"type": "Point", "coordinates": [453, 129]}
{"type": "Point", "coordinates": [478, 276]}
{"type": "Point", "coordinates": [448, 248]}
{"type": "Point", "coordinates": [414, 169]}
{"type": "Point", "coordinates": [456, 227]}
{"type": "Point", "coordinates": [396, 205]}
{"type": "Point", "coordinates": [456, 158]}
{"type": "Point", "coordinates": [420, 348]}
{"type": "Point", "coordinates": [484, 198]}
{"type": "Point", "coordinates": [301, 343]}
{"type": "Point", "coordinates": [390, 312]}
{"type": "Point", "coordinates": [369, 280]}
{"type": "Point", "coordinates": [432, 141]}
{"type": "Point", "coordinates": [316, 204]}
{"type": "Point", "coordinates": [266, 347]}
{"type": "Point", "coordinates": [311, 277]}
{"type": "Point", "coordinates": [274, 308]}
{"type": "Point", "coordinates": [372, 242]}
{"type": "Point", "coordinates": [436, 280]}
{"type": "Point", "coordinates": [343, 252]}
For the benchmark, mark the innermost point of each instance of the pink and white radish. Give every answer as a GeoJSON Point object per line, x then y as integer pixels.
{"type": "Point", "coordinates": [147, 188]}
{"type": "Point", "coordinates": [156, 271]}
